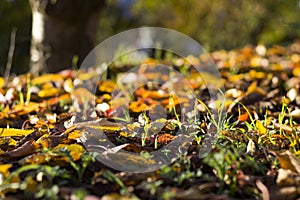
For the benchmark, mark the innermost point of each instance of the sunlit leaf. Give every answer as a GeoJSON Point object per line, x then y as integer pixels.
{"type": "Point", "coordinates": [236, 77]}
{"type": "Point", "coordinates": [260, 127]}
{"type": "Point", "coordinates": [254, 88]}
{"type": "Point", "coordinates": [75, 134]}
{"type": "Point", "coordinates": [75, 150]}
{"type": "Point", "coordinates": [257, 75]}
{"type": "Point", "coordinates": [49, 92]}
{"type": "Point", "coordinates": [107, 86]}
{"type": "Point", "coordinates": [12, 132]}
{"type": "Point", "coordinates": [243, 117]}
{"type": "Point", "coordinates": [4, 169]}
{"type": "Point", "coordinates": [296, 72]}
{"type": "Point", "coordinates": [22, 109]}
{"type": "Point", "coordinates": [46, 78]}
{"type": "Point", "coordinates": [165, 138]}
{"type": "Point", "coordinates": [1, 82]}
{"type": "Point", "coordinates": [138, 106]}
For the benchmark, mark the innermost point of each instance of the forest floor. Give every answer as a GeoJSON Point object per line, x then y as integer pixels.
{"type": "Point", "coordinates": [175, 133]}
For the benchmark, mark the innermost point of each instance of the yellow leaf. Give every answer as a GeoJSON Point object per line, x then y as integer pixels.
{"type": "Point", "coordinates": [4, 169]}
{"type": "Point", "coordinates": [260, 127]}
{"type": "Point", "coordinates": [49, 92]}
{"type": "Point", "coordinates": [44, 141]}
{"type": "Point", "coordinates": [75, 134]}
{"type": "Point", "coordinates": [107, 86]}
{"type": "Point", "coordinates": [46, 78]}
{"type": "Point", "coordinates": [253, 88]}
{"type": "Point", "coordinates": [1, 82]}
{"type": "Point", "coordinates": [257, 75]}
{"type": "Point", "coordinates": [75, 150]}
{"type": "Point", "coordinates": [22, 109]}
{"type": "Point", "coordinates": [86, 76]}
{"type": "Point", "coordinates": [296, 71]}
{"type": "Point", "coordinates": [12, 132]}
{"type": "Point", "coordinates": [235, 77]}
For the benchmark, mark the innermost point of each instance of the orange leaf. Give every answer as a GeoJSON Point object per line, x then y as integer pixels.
{"type": "Point", "coordinates": [243, 117]}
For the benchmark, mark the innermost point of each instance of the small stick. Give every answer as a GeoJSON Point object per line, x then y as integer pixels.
{"type": "Point", "coordinates": [10, 54]}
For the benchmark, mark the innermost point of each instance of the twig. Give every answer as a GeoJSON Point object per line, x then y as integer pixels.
{"type": "Point", "coordinates": [10, 54]}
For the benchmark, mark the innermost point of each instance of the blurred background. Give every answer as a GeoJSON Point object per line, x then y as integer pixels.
{"type": "Point", "coordinates": [216, 25]}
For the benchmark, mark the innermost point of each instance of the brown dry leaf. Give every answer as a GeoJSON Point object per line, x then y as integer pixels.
{"type": "Point", "coordinates": [289, 161]}
{"type": "Point", "coordinates": [27, 148]}
{"type": "Point", "coordinates": [12, 132]}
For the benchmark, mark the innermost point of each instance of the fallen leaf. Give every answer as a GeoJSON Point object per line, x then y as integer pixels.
{"type": "Point", "coordinates": [1, 82]}
{"type": "Point", "coordinates": [75, 150]}
{"type": "Point", "coordinates": [243, 117]}
{"type": "Point", "coordinates": [4, 169]}
{"type": "Point", "coordinates": [261, 128]}
{"type": "Point", "coordinates": [12, 132]}
{"type": "Point", "coordinates": [107, 86]}
{"type": "Point", "coordinates": [47, 78]}
{"type": "Point", "coordinates": [27, 148]}
{"type": "Point", "coordinates": [289, 161]}
{"type": "Point", "coordinates": [49, 92]}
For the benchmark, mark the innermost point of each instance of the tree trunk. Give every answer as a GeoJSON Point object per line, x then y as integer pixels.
{"type": "Point", "coordinates": [62, 29]}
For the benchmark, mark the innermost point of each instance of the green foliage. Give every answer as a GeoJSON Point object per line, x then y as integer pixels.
{"type": "Point", "coordinates": [218, 24]}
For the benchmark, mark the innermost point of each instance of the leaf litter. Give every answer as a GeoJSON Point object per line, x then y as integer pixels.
{"type": "Point", "coordinates": [255, 156]}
